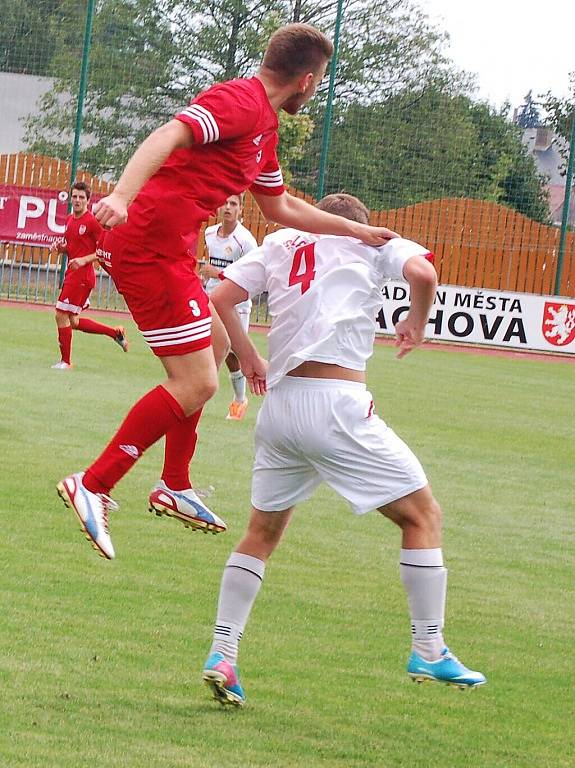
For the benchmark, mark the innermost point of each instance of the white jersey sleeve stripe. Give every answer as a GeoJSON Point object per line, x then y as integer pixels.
{"type": "Point", "coordinates": [206, 121]}
{"type": "Point", "coordinates": [211, 120]}
{"type": "Point", "coordinates": [200, 121]}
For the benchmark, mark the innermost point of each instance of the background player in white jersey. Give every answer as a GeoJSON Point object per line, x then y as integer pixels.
{"type": "Point", "coordinates": [317, 424]}
{"type": "Point", "coordinates": [227, 242]}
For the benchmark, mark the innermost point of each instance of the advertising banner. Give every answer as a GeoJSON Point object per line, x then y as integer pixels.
{"type": "Point", "coordinates": [496, 318]}
{"type": "Point", "coordinates": [33, 216]}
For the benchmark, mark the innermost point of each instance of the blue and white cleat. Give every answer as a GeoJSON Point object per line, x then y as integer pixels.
{"type": "Point", "coordinates": [447, 669]}
{"type": "Point", "coordinates": [222, 679]}
{"type": "Point", "coordinates": [92, 511]}
{"type": "Point", "coordinates": [185, 506]}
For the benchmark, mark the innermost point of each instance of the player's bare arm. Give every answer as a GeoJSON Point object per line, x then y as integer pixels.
{"type": "Point", "coordinates": [82, 261]}
{"type": "Point", "coordinates": [422, 279]}
{"type": "Point", "coordinates": [145, 161]}
{"type": "Point", "coordinates": [208, 271]}
{"type": "Point", "coordinates": [224, 298]}
{"type": "Point", "coordinates": [290, 211]}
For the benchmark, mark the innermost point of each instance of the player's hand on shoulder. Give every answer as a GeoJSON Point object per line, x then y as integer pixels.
{"type": "Point", "coordinates": [408, 336]}
{"type": "Point", "coordinates": [111, 210]}
{"type": "Point", "coordinates": [376, 236]}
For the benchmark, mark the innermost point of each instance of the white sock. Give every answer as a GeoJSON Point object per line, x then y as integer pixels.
{"type": "Point", "coordinates": [239, 384]}
{"type": "Point", "coordinates": [425, 581]}
{"type": "Point", "coordinates": [241, 582]}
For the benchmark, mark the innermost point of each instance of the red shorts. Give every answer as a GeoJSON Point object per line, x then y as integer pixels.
{"type": "Point", "coordinates": [76, 290]}
{"type": "Point", "coordinates": [164, 295]}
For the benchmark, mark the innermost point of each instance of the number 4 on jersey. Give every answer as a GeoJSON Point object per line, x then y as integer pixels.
{"type": "Point", "coordinates": [303, 267]}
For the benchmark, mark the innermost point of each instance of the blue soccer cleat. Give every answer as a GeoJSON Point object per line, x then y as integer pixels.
{"type": "Point", "coordinates": [185, 506]}
{"type": "Point", "coordinates": [222, 679]}
{"type": "Point", "coordinates": [447, 669]}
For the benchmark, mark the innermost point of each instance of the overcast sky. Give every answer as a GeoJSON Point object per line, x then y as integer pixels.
{"type": "Point", "coordinates": [514, 46]}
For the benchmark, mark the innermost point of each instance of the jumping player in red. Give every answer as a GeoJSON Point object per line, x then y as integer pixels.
{"type": "Point", "coordinates": [223, 143]}
{"type": "Point", "coordinates": [81, 236]}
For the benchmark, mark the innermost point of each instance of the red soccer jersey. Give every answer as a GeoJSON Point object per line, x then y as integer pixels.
{"type": "Point", "coordinates": [235, 138]}
{"type": "Point", "coordinates": [82, 234]}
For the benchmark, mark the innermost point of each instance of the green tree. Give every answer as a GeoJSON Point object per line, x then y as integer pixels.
{"type": "Point", "coordinates": [528, 114]}
{"type": "Point", "coordinates": [561, 114]}
{"type": "Point", "coordinates": [416, 147]}
{"type": "Point", "coordinates": [25, 45]}
{"type": "Point", "coordinates": [131, 89]}
{"type": "Point", "coordinates": [507, 172]}
{"type": "Point", "coordinates": [149, 57]}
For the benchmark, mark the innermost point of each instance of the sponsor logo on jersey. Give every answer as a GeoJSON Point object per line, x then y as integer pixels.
{"type": "Point", "coordinates": [258, 139]}
{"type": "Point", "coordinates": [131, 450]}
{"type": "Point", "coordinates": [104, 257]}
{"type": "Point", "coordinates": [558, 324]}
{"type": "Point", "coordinates": [259, 156]}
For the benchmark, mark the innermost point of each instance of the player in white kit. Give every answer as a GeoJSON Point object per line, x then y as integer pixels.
{"type": "Point", "coordinates": [318, 424]}
{"type": "Point", "coordinates": [227, 242]}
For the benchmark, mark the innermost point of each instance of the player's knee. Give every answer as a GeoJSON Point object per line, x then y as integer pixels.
{"type": "Point", "coordinates": [62, 318]}
{"type": "Point", "coordinates": [430, 515]}
{"type": "Point", "coordinates": [204, 389]}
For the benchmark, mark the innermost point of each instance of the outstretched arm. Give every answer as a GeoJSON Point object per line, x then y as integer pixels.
{"type": "Point", "coordinates": [146, 160]}
{"type": "Point", "coordinates": [422, 279]}
{"type": "Point", "coordinates": [290, 211]}
{"type": "Point", "coordinates": [224, 298]}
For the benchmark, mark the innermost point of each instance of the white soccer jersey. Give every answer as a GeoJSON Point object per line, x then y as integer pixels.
{"type": "Point", "coordinates": [223, 251]}
{"type": "Point", "coordinates": [324, 294]}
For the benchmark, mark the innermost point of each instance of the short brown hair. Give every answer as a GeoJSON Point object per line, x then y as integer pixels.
{"type": "Point", "coordinates": [81, 186]}
{"type": "Point", "coordinates": [296, 49]}
{"type": "Point", "coordinates": [348, 206]}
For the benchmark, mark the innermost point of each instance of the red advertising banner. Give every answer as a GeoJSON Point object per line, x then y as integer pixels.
{"type": "Point", "coordinates": [33, 216]}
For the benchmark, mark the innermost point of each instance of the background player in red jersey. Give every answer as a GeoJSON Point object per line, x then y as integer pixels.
{"type": "Point", "coordinates": [223, 143]}
{"type": "Point", "coordinates": [80, 239]}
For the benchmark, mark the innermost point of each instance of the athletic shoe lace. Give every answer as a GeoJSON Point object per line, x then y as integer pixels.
{"type": "Point", "coordinates": [108, 505]}
{"type": "Point", "coordinates": [452, 657]}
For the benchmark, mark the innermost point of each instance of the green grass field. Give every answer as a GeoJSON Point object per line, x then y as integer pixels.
{"type": "Point", "coordinates": [100, 662]}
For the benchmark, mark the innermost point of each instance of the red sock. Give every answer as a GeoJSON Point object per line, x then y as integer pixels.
{"type": "Point", "coordinates": [65, 342]}
{"type": "Point", "coordinates": [180, 446]}
{"type": "Point", "coordinates": [150, 418]}
{"type": "Point", "coordinates": [91, 326]}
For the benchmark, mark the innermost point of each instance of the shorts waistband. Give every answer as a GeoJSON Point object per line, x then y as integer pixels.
{"type": "Point", "coordinates": [305, 382]}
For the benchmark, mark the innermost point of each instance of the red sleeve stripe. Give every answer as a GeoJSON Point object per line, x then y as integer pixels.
{"type": "Point", "coordinates": [274, 179]}
{"type": "Point", "coordinates": [206, 121]}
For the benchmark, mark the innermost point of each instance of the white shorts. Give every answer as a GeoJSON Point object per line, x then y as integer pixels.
{"type": "Point", "coordinates": [314, 430]}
